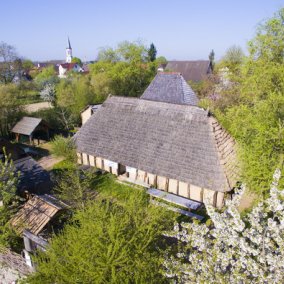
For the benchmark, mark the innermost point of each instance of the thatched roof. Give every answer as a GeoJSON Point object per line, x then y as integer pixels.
{"type": "Point", "coordinates": [33, 177]}
{"type": "Point", "coordinates": [36, 213]}
{"type": "Point", "coordinates": [195, 70]}
{"type": "Point", "coordinates": [27, 125]}
{"type": "Point", "coordinates": [13, 150]}
{"type": "Point", "coordinates": [175, 141]}
{"type": "Point", "coordinates": [170, 88]}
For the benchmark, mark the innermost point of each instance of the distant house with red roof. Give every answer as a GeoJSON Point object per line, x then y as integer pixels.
{"type": "Point", "coordinates": [64, 68]}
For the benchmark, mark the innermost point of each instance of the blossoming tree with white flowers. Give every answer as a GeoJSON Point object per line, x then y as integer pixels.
{"type": "Point", "coordinates": [232, 249]}
{"type": "Point", "coordinates": [48, 93]}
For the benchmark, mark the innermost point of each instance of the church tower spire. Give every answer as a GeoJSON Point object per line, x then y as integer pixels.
{"type": "Point", "coordinates": [69, 52]}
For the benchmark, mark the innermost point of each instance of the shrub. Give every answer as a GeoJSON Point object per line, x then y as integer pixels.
{"type": "Point", "coordinates": [64, 147]}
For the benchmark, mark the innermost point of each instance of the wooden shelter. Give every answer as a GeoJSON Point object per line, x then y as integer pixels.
{"type": "Point", "coordinates": [177, 148]}
{"type": "Point", "coordinates": [36, 213]}
{"type": "Point", "coordinates": [36, 220]}
{"type": "Point", "coordinates": [32, 127]}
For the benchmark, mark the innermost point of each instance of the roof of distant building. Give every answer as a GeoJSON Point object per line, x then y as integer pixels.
{"type": "Point", "coordinates": [170, 87]}
{"type": "Point", "coordinates": [195, 70]}
{"type": "Point", "coordinates": [68, 66]}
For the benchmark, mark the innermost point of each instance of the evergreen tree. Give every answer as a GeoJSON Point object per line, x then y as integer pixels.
{"type": "Point", "coordinates": [152, 53]}
{"type": "Point", "coordinates": [212, 58]}
{"type": "Point", "coordinates": [107, 242]}
{"type": "Point", "coordinates": [9, 202]}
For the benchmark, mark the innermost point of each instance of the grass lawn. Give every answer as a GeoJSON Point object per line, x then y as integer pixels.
{"type": "Point", "coordinates": [46, 146]}
{"type": "Point", "coordinates": [108, 186]}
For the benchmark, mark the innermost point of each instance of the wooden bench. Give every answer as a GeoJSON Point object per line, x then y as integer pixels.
{"type": "Point", "coordinates": [178, 210]}
{"type": "Point", "coordinates": [178, 200]}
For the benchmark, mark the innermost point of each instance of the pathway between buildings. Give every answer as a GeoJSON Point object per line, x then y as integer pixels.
{"type": "Point", "coordinates": [49, 161]}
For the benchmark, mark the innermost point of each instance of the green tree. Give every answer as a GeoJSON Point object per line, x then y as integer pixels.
{"type": "Point", "coordinates": [252, 108]}
{"type": "Point", "coordinates": [9, 202]}
{"type": "Point", "coordinates": [233, 59]}
{"type": "Point", "coordinates": [74, 95]}
{"type": "Point", "coordinates": [27, 64]}
{"type": "Point", "coordinates": [212, 58]}
{"type": "Point", "coordinates": [161, 60]}
{"type": "Point", "coordinates": [47, 74]}
{"type": "Point", "coordinates": [268, 44]}
{"type": "Point", "coordinates": [107, 242]}
{"type": "Point", "coordinates": [64, 147]}
{"type": "Point", "coordinates": [10, 65]}
{"type": "Point", "coordinates": [77, 60]}
{"type": "Point", "coordinates": [75, 187]}
{"type": "Point", "coordinates": [10, 110]}
{"type": "Point", "coordinates": [132, 51]}
{"type": "Point", "coordinates": [152, 53]}
{"type": "Point", "coordinates": [108, 54]}
{"type": "Point", "coordinates": [124, 71]}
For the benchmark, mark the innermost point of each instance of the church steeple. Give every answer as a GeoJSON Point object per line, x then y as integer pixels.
{"type": "Point", "coordinates": [69, 45]}
{"type": "Point", "coordinates": [69, 52]}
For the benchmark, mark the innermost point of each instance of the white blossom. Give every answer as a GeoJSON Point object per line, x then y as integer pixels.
{"type": "Point", "coordinates": [48, 92]}
{"type": "Point", "coordinates": [232, 249]}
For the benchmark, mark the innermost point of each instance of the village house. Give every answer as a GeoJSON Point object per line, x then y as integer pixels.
{"type": "Point", "coordinates": [88, 111]}
{"type": "Point", "coordinates": [176, 148]}
{"type": "Point", "coordinates": [194, 70]}
{"type": "Point", "coordinates": [64, 68]}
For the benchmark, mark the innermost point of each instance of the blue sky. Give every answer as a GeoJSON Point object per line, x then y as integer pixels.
{"type": "Point", "coordinates": [180, 29]}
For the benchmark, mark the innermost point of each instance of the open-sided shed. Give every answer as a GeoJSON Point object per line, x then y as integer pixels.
{"type": "Point", "coordinates": [31, 127]}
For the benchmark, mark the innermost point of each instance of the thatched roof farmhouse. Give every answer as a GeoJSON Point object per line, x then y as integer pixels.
{"type": "Point", "coordinates": [177, 148]}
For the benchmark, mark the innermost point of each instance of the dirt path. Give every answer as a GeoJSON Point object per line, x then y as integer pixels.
{"type": "Point", "coordinates": [37, 106]}
{"type": "Point", "coordinates": [49, 161]}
